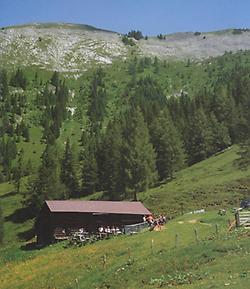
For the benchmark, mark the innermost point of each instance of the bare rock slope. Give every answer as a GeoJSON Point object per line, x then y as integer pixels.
{"type": "Point", "coordinates": [62, 47]}
{"type": "Point", "coordinates": [197, 45]}
{"type": "Point", "coordinates": [73, 48]}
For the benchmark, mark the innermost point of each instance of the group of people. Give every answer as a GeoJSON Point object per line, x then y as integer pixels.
{"type": "Point", "coordinates": [155, 222]}
{"type": "Point", "coordinates": [109, 230]}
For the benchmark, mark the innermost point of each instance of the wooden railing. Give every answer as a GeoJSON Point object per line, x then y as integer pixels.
{"type": "Point", "coordinates": [242, 217]}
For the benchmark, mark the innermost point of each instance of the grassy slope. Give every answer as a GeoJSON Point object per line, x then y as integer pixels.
{"type": "Point", "coordinates": [215, 182]}
{"type": "Point", "coordinates": [132, 264]}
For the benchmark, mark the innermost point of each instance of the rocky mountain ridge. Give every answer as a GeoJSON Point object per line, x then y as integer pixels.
{"type": "Point", "coordinates": [73, 48]}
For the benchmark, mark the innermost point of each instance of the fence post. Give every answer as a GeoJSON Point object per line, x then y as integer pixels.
{"type": "Point", "coordinates": [196, 235]}
{"type": "Point", "coordinates": [152, 246]}
{"type": "Point", "coordinates": [129, 253]}
{"type": "Point", "coordinates": [77, 284]}
{"type": "Point", "coordinates": [176, 240]}
{"type": "Point", "coordinates": [216, 230]}
{"type": "Point", "coordinates": [237, 218]}
{"type": "Point", "coordinates": [104, 260]}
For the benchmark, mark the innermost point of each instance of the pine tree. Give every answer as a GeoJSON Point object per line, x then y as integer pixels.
{"type": "Point", "coordinates": [55, 79]}
{"type": "Point", "coordinates": [26, 134]}
{"type": "Point", "coordinates": [4, 89]}
{"type": "Point", "coordinates": [198, 137]}
{"type": "Point", "coordinates": [18, 79]}
{"type": "Point", "coordinates": [244, 154]}
{"type": "Point", "coordinates": [47, 184]}
{"type": "Point", "coordinates": [68, 170]}
{"type": "Point", "coordinates": [138, 154]}
{"type": "Point", "coordinates": [110, 161]}
{"type": "Point", "coordinates": [89, 177]}
{"type": "Point", "coordinates": [97, 98]}
{"type": "Point", "coordinates": [18, 173]}
{"type": "Point", "coordinates": [220, 135]}
{"type": "Point", "coordinates": [168, 146]}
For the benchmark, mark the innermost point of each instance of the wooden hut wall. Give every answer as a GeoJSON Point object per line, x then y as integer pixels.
{"type": "Point", "coordinates": [92, 221]}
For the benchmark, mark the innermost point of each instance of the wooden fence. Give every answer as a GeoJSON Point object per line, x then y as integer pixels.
{"type": "Point", "coordinates": [242, 217]}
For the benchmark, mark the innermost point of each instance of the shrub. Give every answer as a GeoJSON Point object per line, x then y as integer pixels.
{"type": "Point", "coordinates": [127, 41]}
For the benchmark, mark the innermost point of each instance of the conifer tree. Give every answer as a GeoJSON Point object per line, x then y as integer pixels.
{"type": "Point", "coordinates": [55, 79]}
{"type": "Point", "coordinates": [110, 161]}
{"type": "Point", "coordinates": [198, 137]}
{"type": "Point", "coordinates": [4, 89]}
{"type": "Point", "coordinates": [220, 134]}
{"type": "Point", "coordinates": [19, 79]}
{"type": "Point", "coordinates": [168, 146]}
{"type": "Point", "coordinates": [97, 107]}
{"type": "Point", "coordinates": [47, 184]}
{"type": "Point", "coordinates": [244, 154]}
{"type": "Point", "coordinates": [89, 177]}
{"type": "Point", "coordinates": [138, 154]}
{"type": "Point", "coordinates": [26, 133]}
{"type": "Point", "coordinates": [68, 170]}
{"type": "Point", "coordinates": [18, 173]}
{"type": "Point", "coordinates": [244, 151]}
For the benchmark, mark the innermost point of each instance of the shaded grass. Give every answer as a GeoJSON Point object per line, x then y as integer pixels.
{"type": "Point", "coordinates": [16, 223]}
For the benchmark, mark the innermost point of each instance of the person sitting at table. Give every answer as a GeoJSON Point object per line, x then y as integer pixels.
{"type": "Point", "coordinates": [112, 230]}
{"type": "Point", "coordinates": [101, 229]}
{"type": "Point", "coordinates": [117, 231]}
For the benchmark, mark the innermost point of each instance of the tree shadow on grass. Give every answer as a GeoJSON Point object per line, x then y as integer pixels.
{"type": "Point", "coordinates": [9, 194]}
{"type": "Point", "coordinates": [26, 235]}
{"type": "Point", "coordinates": [30, 246]}
{"type": "Point", "coordinates": [20, 215]}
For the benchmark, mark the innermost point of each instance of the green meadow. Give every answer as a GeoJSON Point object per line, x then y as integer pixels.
{"type": "Point", "coordinates": [191, 251]}
{"type": "Point", "coordinates": [173, 257]}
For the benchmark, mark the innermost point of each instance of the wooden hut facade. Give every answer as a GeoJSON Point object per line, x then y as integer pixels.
{"type": "Point", "coordinates": [76, 214]}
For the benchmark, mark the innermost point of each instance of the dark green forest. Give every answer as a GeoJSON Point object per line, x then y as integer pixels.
{"type": "Point", "coordinates": [120, 129]}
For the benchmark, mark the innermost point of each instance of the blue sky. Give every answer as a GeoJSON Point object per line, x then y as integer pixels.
{"type": "Point", "coordinates": [149, 16]}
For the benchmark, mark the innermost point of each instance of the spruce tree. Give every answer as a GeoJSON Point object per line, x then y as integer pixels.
{"type": "Point", "coordinates": [139, 157]}
{"type": "Point", "coordinates": [97, 99]}
{"type": "Point", "coordinates": [69, 171]}
{"type": "Point", "coordinates": [89, 176]}
{"type": "Point", "coordinates": [55, 79]}
{"type": "Point", "coordinates": [168, 146]}
{"type": "Point", "coordinates": [198, 137]}
{"type": "Point", "coordinates": [220, 135]}
{"type": "Point", "coordinates": [110, 161]}
{"type": "Point", "coordinates": [18, 173]}
{"type": "Point", "coordinates": [4, 89]}
{"type": "Point", "coordinates": [47, 185]}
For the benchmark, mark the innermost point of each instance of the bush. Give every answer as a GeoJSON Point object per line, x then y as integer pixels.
{"type": "Point", "coordinates": [127, 41]}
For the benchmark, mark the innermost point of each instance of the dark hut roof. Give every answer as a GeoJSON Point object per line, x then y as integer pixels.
{"type": "Point", "coordinates": [108, 207]}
